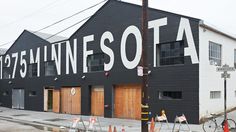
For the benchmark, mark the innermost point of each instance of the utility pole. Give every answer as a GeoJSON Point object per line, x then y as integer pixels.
{"type": "Point", "coordinates": [144, 106]}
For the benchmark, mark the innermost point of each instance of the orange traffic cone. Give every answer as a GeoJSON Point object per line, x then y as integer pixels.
{"type": "Point", "coordinates": [152, 125]}
{"type": "Point", "coordinates": [109, 129]}
{"type": "Point", "coordinates": [123, 129]}
{"type": "Point", "coordinates": [226, 127]}
{"type": "Point", "coordinates": [114, 129]}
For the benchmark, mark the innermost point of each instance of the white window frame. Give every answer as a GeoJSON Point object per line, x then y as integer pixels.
{"type": "Point", "coordinates": [217, 56]}
{"type": "Point", "coordinates": [215, 94]}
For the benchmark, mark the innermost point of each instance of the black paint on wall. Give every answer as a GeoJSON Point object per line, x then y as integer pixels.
{"type": "Point", "coordinates": [115, 17]}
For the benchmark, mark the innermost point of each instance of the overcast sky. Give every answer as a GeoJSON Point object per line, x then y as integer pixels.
{"type": "Point", "coordinates": [17, 15]}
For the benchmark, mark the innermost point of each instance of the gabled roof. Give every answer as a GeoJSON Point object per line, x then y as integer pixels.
{"type": "Point", "coordinates": [2, 51]}
{"type": "Point", "coordinates": [49, 37]}
{"type": "Point", "coordinates": [201, 22]}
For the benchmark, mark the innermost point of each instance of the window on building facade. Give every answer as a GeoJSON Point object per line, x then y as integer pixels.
{"type": "Point", "coordinates": [96, 62]}
{"type": "Point", "coordinates": [170, 95]}
{"type": "Point", "coordinates": [171, 53]}
{"type": "Point", "coordinates": [6, 72]}
{"type": "Point", "coordinates": [32, 93]}
{"type": "Point", "coordinates": [50, 68]}
{"type": "Point", "coordinates": [235, 58]}
{"type": "Point", "coordinates": [33, 70]}
{"type": "Point", "coordinates": [215, 53]}
{"type": "Point", "coordinates": [215, 94]}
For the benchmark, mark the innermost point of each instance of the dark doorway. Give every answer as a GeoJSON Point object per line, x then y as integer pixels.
{"type": "Point", "coordinates": [50, 99]}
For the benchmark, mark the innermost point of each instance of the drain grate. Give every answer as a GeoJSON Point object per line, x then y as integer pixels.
{"type": "Point", "coordinates": [21, 115]}
{"type": "Point", "coordinates": [55, 119]}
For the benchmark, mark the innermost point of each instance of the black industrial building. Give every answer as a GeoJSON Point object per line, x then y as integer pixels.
{"type": "Point", "coordinates": [94, 72]}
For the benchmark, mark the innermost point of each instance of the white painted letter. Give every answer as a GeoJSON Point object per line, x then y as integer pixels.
{"type": "Point", "coordinates": [45, 53]}
{"type": "Point", "coordinates": [57, 57]}
{"type": "Point", "coordinates": [23, 62]}
{"type": "Point", "coordinates": [135, 31]}
{"type": "Point", "coordinates": [184, 26]}
{"type": "Point", "coordinates": [36, 60]}
{"type": "Point", "coordinates": [71, 57]}
{"type": "Point", "coordinates": [107, 35]}
{"type": "Point", "coordinates": [86, 52]}
{"type": "Point", "coordinates": [14, 55]}
{"type": "Point", "coordinates": [8, 62]}
{"type": "Point", "coordinates": [156, 24]}
{"type": "Point", "coordinates": [1, 67]}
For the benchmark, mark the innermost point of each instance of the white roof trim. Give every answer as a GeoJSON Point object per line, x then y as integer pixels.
{"type": "Point", "coordinates": [217, 30]}
{"type": "Point", "coordinates": [46, 36]}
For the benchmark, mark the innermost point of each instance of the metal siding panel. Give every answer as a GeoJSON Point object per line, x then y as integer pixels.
{"type": "Point", "coordinates": [21, 98]}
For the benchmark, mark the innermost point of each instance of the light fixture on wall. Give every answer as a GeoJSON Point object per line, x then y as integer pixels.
{"type": "Point", "coordinates": [55, 79]}
{"type": "Point", "coordinates": [10, 82]}
{"type": "Point", "coordinates": [149, 72]}
{"type": "Point", "coordinates": [106, 73]}
{"type": "Point", "coordinates": [83, 77]}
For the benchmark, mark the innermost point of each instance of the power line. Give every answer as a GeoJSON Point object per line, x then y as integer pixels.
{"type": "Point", "coordinates": [68, 27]}
{"type": "Point", "coordinates": [70, 16]}
{"type": "Point", "coordinates": [31, 14]}
{"type": "Point", "coordinates": [62, 21]}
{"type": "Point", "coordinates": [7, 43]}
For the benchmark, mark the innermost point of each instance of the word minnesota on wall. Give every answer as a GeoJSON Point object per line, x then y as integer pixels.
{"type": "Point", "coordinates": [18, 59]}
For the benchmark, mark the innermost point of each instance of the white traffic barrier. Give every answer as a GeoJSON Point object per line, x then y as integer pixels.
{"type": "Point", "coordinates": [94, 123]}
{"type": "Point", "coordinates": [75, 124]}
{"type": "Point", "coordinates": [181, 119]}
{"type": "Point", "coordinates": [162, 119]}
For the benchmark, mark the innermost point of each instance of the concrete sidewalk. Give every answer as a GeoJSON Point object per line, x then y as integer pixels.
{"type": "Point", "coordinates": [65, 120]}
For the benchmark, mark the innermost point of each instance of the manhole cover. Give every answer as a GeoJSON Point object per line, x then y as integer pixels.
{"type": "Point", "coordinates": [55, 119]}
{"type": "Point", "coordinates": [21, 115]}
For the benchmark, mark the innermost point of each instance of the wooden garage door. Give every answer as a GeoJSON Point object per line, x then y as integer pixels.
{"type": "Point", "coordinates": [127, 101]}
{"type": "Point", "coordinates": [71, 104]}
{"type": "Point", "coordinates": [56, 101]}
{"type": "Point", "coordinates": [97, 101]}
{"type": "Point", "coordinates": [76, 101]}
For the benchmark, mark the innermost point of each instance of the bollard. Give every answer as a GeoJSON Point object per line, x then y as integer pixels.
{"type": "Point", "coordinates": [152, 125]}
{"type": "Point", "coordinates": [123, 128]}
{"type": "Point", "coordinates": [114, 129]}
{"type": "Point", "coordinates": [226, 126]}
{"type": "Point", "coordinates": [109, 129]}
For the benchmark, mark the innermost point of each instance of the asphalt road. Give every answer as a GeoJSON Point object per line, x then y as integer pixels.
{"type": "Point", "coordinates": [9, 126]}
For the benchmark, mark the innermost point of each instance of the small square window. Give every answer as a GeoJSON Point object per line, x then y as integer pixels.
{"type": "Point", "coordinates": [6, 73]}
{"type": "Point", "coordinates": [215, 53]}
{"type": "Point", "coordinates": [215, 94]}
{"type": "Point", "coordinates": [50, 68]}
{"type": "Point", "coordinates": [171, 53]}
{"type": "Point", "coordinates": [95, 62]}
{"type": "Point", "coordinates": [32, 93]}
{"type": "Point", "coordinates": [33, 70]}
